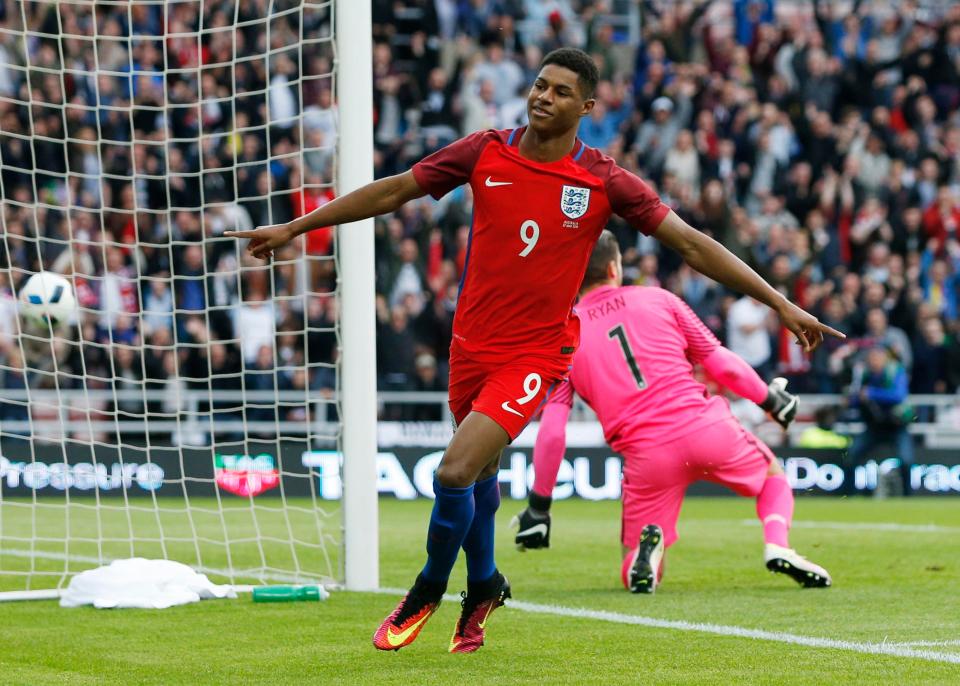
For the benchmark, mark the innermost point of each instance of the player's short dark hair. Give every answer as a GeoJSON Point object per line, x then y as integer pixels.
{"type": "Point", "coordinates": [605, 250]}
{"type": "Point", "coordinates": [578, 62]}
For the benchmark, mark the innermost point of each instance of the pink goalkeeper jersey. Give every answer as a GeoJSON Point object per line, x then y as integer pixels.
{"type": "Point", "coordinates": [634, 366]}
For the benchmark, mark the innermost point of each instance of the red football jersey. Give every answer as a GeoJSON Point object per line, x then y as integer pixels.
{"type": "Point", "coordinates": [534, 227]}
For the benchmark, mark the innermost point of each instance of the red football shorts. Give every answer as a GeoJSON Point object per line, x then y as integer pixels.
{"type": "Point", "coordinates": [510, 392]}
{"type": "Point", "coordinates": [656, 479]}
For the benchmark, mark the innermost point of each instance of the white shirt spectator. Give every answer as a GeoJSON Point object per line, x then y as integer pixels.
{"type": "Point", "coordinates": [254, 323]}
{"type": "Point", "coordinates": [781, 141]}
{"type": "Point", "coordinates": [118, 294]}
{"type": "Point", "coordinates": [685, 165]}
{"type": "Point", "coordinates": [283, 106]}
{"type": "Point", "coordinates": [747, 333]}
{"type": "Point", "coordinates": [408, 282]}
{"type": "Point", "coordinates": [480, 111]}
{"type": "Point", "coordinates": [324, 117]}
{"type": "Point", "coordinates": [873, 172]}
{"type": "Point", "coordinates": [232, 217]}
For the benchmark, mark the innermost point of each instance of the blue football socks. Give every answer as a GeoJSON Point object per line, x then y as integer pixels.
{"type": "Point", "coordinates": [478, 544]}
{"type": "Point", "coordinates": [449, 522]}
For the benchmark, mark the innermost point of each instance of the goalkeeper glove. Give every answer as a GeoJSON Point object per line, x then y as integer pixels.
{"type": "Point", "coordinates": [533, 524]}
{"type": "Point", "coordinates": [781, 406]}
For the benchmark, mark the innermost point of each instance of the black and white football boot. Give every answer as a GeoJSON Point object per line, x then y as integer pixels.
{"type": "Point", "coordinates": [782, 560]}
{"type": "Point", "coordinates": [645, 570]}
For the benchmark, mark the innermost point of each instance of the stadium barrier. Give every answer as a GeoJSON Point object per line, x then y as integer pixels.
{"type": "Point", "coordinates": [64, 414]}
{"type": "Point", "coordinates": [40, 468]}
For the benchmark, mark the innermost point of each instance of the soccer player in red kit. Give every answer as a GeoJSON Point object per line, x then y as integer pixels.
{"type": "Point", "coordinates": [541, 199]}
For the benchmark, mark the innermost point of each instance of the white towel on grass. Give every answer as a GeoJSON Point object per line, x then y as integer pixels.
{"type": "Point", "coordinates": [148, 584]}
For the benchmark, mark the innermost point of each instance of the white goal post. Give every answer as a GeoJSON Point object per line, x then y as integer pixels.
{"type": "Point", "coordinates": [198, 398]}
{"type": "Point", "coordinates": [359, 388]}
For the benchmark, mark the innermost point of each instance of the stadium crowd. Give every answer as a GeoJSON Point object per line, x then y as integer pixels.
{"type": "Point", "coordinates": [818, 141]}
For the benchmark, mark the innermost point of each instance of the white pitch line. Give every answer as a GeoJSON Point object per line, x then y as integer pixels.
{"type": "Point", "coordinates": [891, 649]}
{"type": "Point", "coordinates": [916, 644]}
{"type": "Point", "coordinates": [866, 526]}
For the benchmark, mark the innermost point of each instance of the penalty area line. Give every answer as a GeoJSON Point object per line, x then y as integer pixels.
{"type": "Point", "coordinates": [891, 649]}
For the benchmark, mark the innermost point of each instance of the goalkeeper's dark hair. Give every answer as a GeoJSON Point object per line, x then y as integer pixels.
{"type": "Point", "coordinates": [604, 252]}
{"type": "Point", "coordinates": [578, 62]}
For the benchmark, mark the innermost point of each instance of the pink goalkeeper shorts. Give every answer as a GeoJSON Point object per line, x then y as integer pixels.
{"type": "Point", "coordinates": [655, 479]}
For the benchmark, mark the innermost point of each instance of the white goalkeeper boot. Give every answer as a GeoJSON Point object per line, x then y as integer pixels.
{"type": "Point", "coordinates": [782, 560]}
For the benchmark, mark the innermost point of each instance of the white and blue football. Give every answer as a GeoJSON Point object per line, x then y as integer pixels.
{"type": "Point", "coordinates": [47, 298]}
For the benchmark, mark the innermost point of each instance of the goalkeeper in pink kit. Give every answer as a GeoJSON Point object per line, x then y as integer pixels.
{"type": "Point", "coordinates": [634, 367]}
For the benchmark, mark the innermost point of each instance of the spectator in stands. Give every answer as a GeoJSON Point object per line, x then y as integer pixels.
{"type": "Point", "coordinates": [438, 119]}
{"type": "Point", "coordinates": [683, 162]}
{"type": "Point", "coordinates": [408, 277]}
{"type": "Point", "coordinates": [880, 393]}
{"type": "Point", "coordinates": [659, 134]}
{"type": "Point", "coordinates": [879, 332]}
{"type": "Point", "coordinates": [481, 110]}
{"type": "Point", "coordinates": [930, 367]}
{"type": "Point", "coordinates": [748, 334]}
{"type": "Point", "coordinates": [256, 318]}
{"type": "Point", "coordinates": [396, 352]}
{"type": "Point", "coordinates": [158, 305]}
{"type": "Point", "coordinates": [118, 290]}
{"type": "Point", "coordinates": [940, 281]}
{"type": "Point", "coordinates": [427, 380]}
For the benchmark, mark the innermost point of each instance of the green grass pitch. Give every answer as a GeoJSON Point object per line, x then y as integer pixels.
{"type": "Point", "coordinates": [893, 585]}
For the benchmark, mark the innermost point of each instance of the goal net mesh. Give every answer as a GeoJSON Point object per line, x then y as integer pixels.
{"type": "Point", "coordinates": [185, 410]}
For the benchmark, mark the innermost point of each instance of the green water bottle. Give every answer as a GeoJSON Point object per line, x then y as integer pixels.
{"type": "Point", "coordinates": [286, 594]}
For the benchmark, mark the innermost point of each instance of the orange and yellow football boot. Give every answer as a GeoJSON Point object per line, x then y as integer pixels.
{"type": "Point", "coordinates": [469, 632]}
{"type": "Point", "coordinates": [404, 624]}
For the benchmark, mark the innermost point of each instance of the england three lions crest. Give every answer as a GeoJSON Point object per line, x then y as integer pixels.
{"type": "Point", "coordinates": [574, 201]}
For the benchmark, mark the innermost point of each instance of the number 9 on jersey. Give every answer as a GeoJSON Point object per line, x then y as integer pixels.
{"type": "Point", "coordinates": [529, 234]}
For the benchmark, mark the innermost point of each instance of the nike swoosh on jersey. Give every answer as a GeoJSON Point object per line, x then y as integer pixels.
{"type": "Point", "coordinates": [535, 529]}
{"type": "Point", "coordinates": [490, 183]}
{"type": "Point", "coordinates": [506, 406]}
{"type": "Point", "coordinates": [396, 639]}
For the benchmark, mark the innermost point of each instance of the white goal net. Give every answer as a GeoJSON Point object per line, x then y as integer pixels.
{"type": "Point", "coordinates": [188, 408]}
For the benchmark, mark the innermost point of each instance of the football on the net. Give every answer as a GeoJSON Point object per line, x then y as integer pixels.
{"type": "Point", "coordinates": [47, 298]}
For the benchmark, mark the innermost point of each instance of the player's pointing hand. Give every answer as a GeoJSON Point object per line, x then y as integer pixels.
{"type": "Point", "coordinates": [264, 240]}
{"type": "Point", "coordinates": [807, 328]}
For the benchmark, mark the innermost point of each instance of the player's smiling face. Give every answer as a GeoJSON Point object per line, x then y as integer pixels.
{"type": "Point", "coordinates": [556, 102]}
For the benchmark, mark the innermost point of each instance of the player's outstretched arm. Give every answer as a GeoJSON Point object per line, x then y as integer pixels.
{"type": "Point", "coordinates": [380, 197]}
{"type": "Point", "coordinates": [710, 258]}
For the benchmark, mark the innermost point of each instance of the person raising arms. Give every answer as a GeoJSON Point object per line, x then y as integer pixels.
{"type": "Point", "coordinates": [541, 199]}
